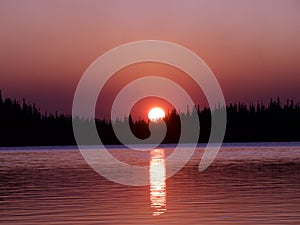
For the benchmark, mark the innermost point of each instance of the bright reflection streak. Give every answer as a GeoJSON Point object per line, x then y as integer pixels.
{"type": "Point", "coordinates": [157, 174]}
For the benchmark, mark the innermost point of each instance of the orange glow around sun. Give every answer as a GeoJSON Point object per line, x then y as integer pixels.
{"type": "Point", "coordinates": [156, 114]}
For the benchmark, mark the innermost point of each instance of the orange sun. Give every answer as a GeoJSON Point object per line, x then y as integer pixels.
{"type": "Point", "coordinates": [156, 114]}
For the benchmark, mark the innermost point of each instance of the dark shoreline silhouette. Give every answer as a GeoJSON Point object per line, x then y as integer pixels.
{"type": "Point", "coordinates": [24, 124]}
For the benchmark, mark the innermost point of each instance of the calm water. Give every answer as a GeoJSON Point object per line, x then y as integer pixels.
{"type": "Point", "coordinates": [246, 184]}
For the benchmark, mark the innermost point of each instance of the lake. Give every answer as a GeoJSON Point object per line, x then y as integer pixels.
{"type": "Point", "coordinates": [255, 183]}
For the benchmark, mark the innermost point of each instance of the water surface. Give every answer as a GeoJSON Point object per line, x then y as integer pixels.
{"type": "Point", "coordinates": [246, 184]}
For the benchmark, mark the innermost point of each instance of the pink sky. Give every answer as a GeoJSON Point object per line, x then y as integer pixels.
{"type": "Point", "coordinates": [253, 47]}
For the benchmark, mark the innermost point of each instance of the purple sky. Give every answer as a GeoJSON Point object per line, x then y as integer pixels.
{"type": "Point", "coordinates": [253, 47]}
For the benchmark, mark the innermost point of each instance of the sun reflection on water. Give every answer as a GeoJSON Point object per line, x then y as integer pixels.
{"type": "Point", "coordinates": [157, 175]}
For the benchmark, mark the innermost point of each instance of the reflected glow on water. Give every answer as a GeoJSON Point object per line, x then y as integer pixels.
{"type": "Point", "coordinates": [245, 185]}
{"type": "Point", "coordinates": [157, 175]}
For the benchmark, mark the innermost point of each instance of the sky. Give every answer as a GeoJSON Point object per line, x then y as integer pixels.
{"type": "Point", "coordinates": [253, 47]}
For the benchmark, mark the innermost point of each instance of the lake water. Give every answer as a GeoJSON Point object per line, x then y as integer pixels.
{"type": "Point", "coordinates": [246, 184]}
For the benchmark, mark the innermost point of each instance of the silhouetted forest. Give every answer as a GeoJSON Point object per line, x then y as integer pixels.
{"type": "Point", "coordinates": [22, 124]}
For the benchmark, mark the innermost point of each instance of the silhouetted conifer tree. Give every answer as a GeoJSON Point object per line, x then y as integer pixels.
{"type": "Point", "coordinates": [23, 124]}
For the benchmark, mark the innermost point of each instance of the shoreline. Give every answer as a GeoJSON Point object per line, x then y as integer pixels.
{"type": "Point", "coordinates": [166, 146]}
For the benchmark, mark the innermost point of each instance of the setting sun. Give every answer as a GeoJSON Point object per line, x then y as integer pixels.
{"type": "Point", "coordinates": [156, 114]}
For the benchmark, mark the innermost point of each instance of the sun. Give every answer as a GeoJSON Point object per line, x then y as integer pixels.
{"type": "Point", "coordinates": [156, 114]}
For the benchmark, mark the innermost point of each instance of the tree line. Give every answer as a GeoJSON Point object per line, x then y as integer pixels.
{"type": "Point", "coordinates": [22, 124]}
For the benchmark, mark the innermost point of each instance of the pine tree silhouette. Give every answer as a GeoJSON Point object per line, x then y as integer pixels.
{"type": "Point", "coordinates": [24, 125]}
